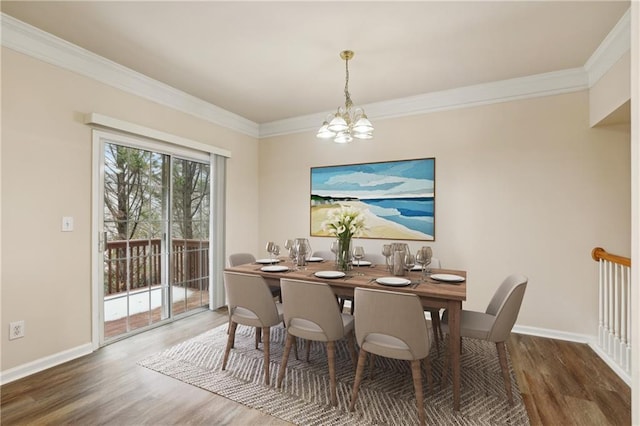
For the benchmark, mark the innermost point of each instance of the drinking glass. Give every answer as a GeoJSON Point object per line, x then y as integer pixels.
{"type": "Point", "coordinates": [409, 261]}
{"type": "Point", "coordinates": [276, 251]}
{"type": "Point", "coordinates": [293, 255]}
{"type": "Point", "coordinates": [270, 247]}
{"type": "Point", "coordinates": [358, 254]}
{"type": "Point", "coordinates": [335, 245]}
{"type": "Point", "coordinates": [421, 259]}
{"type": "Point", "coordinates": [386, 252]}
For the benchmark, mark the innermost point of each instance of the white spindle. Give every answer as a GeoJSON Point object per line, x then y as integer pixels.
{"type": "Point", "coordinates": [614, 313]}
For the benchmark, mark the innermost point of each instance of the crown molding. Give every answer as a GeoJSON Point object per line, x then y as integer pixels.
{"type": "Point", "coordinates": [31, 41]}
{"type": "Point", "coordinates": [546, 84]}
{"type": "Point", "coordinates": [612, 48]}
{"type": "Point", "coordinates": [24, 38]}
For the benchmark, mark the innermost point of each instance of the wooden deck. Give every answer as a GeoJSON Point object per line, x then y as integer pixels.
{"type": "Point", "coordinates": [196, 300]}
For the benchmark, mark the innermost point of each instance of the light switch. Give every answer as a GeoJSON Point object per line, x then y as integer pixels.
{"type": "Point", "coordinates": [67, 223]}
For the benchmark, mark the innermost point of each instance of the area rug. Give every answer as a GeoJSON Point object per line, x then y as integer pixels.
{"type": "Point", "coordinates": [387, 398]}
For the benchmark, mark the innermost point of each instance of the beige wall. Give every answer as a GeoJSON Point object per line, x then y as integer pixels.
{"type": "Point", "coordinates": [610, 96]}
{"type": "Point", "coordinates": [46, 174]}
{"type": "Point", "coordinates": [524, 186]}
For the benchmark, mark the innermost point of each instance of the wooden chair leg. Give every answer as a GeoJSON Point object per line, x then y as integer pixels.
{"type": "Point", "coordinates": [308, 348]}
{"type": "Point", "coordinates": [285, 358]}
{"type": "Point", "coordinates": [230, 339]}
{"type": "Point", "coordinates": [295, 347]}
{"type": "Point", "coordinates": [427, 368]}
{"type": "Point", "coordinates": [502, 355]}
{"type": "Point", "coordinates": [445, 362]}
{"type": "Point", "coordinates": [266, 337]}
{"type": "Point", "coordinates": [372, 363]}
{"type": "Point", "coordinates": [437, 330]}
{"type": "Point", "coordinates": [331, 358]}
{"type": "Point", "coordinates": [417, 385]}
{"type": "Point", "coordinates": [362, 360]}
{"type": "Point", "coordinates": [258, 336]}
{"type": "Point", "coordinates": [352, 347]}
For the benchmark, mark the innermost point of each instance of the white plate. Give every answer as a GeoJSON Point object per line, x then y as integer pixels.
{"type": "Point", "coordinates": [362, 263]}
{"type": "Point", "coordinates": [274, 268]}
{"type": "Point", "coordinates": [329, 274]}
{"type": "Point", "coordinates": [393, 281]}
{"type": "Point", "coordinates": [448, 278]}
{"type": "Point", "coordinates": [417, 268]}
{"type": "Point", "coordinates": [315, 259]}
{"type": "Point", "coordinates": [267, 261]}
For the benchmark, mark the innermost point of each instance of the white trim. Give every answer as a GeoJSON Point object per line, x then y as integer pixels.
{"type": "Point", "coordinates": [41, 364]}
{"type": "Point", "coordinates": [610, 362]}
{"type": "Point", "coordinates": [554, 334]}
{"type": "Point", "coordinates": [24, 38]}
{"type": "Point", "coordinates": [135, 129]}
{"type": "Point", "coordinates": [612, 48]}
{"type": "Point", "coordinates": [547, 84]}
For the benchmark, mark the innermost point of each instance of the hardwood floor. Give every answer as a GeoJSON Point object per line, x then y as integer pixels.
{"type": "Point", "coordinates": [562, 383]}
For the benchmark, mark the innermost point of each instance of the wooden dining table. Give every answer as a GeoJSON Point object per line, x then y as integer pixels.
{"type": "Point", "coordinates": [432, 293]}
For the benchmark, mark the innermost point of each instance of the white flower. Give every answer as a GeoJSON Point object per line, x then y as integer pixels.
{"type": "Point", "coordinates": [344, 222]}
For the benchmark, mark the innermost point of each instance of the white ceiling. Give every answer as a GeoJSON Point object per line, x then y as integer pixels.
{"type": "Point", "coordinates": [268, 61]}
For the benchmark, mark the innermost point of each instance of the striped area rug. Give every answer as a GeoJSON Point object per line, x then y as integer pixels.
{"type": "Point", "coordinates": [387, 398]}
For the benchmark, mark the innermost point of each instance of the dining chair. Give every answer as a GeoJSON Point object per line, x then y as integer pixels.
{"type": "Point", "coordinates": [495, 324]}
{"type": "Point", "coordinates": [311, 313]}
{"type": "Point", "coordinates": [330, 256]}
{"type": "Point", "coordinates": [236, 259]}
{"type": "Point", "coordinates": [327, 255]}
{"type": "Point", "coordinates": [392, 325]}
{"type": "Point", "coordinates": [251, 303]}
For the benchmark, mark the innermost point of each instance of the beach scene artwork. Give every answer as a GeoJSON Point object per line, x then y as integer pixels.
{"type": "Point", "coordinates": [396, 197]}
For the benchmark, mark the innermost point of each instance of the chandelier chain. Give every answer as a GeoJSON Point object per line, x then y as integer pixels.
{"type": "Point", "coordinates": [348, 103]}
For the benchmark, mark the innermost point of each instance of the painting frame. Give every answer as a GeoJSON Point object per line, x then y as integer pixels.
{"type": "Point", "coordinates": [397, 197]}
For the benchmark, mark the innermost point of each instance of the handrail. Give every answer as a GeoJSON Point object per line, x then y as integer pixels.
{"type": "Point", "coordinates": [599, 253]}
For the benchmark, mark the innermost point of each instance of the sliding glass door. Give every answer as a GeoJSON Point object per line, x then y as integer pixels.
{"type": "Point", "coordinates": [155, 228]}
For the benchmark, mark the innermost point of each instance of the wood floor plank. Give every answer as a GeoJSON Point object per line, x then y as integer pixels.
{"type": "Point", "coordinates": [562, 383]}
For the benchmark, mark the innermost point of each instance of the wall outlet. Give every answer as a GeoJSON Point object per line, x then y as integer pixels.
{"type": "Point", "coordinates": [16, 330]}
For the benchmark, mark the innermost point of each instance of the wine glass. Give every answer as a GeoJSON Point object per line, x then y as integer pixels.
{"type": "Point", "coordinates": [429, 255]}
{"type": "Point", "coordinates": [358, 254]}
{"type": "Point", "coordinates": [386, 252]}
{"type": "Point", "coordinates": [335, 245]}
{"type": "Point", "coordinates": [270, 247]}
{"type": "Point", "coordinates": [275, 251]}
{"type": "Point", "coordinates": [421, 259]}
{"type": "Point", "coordinates": [409, 261]}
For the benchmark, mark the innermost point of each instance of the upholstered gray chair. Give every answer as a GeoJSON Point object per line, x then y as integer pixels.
{"type": "Point", "coordinates": [236, 259]}
{"type": "Point", "coordinates": [311, 312]}
{"type": "Point", "coordinates": [392, 325]}
{"type": "Point", "coordinates": [495, 323]}
{"type": "Point", "coordinates": [251, 303]}
{"type": "Point", "coordinates": [327, 255]}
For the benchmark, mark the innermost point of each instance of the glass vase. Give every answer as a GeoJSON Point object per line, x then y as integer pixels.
{"type": "Point", "coordinates": [343, 257]}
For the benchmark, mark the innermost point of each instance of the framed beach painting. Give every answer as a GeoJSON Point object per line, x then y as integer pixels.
{"type": "Point", "coordinates": [396, 197]}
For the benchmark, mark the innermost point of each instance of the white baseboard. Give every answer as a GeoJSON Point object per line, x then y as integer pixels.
{"type": "Point", "coordinates": [38, 365]}
{"type": "Point", "coordinates": [554, 334]}
{"type": "Point", "coordinates": [611, 363]}
{"type": "Point", "coordinates": [592, 341]}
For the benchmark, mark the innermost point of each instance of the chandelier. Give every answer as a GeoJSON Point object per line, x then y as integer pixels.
{"type": "Point", "coordinates": [348, 122]}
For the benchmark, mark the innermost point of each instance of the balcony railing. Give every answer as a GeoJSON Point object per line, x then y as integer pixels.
{"type": "Point", "coordinates": [140, 263]}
